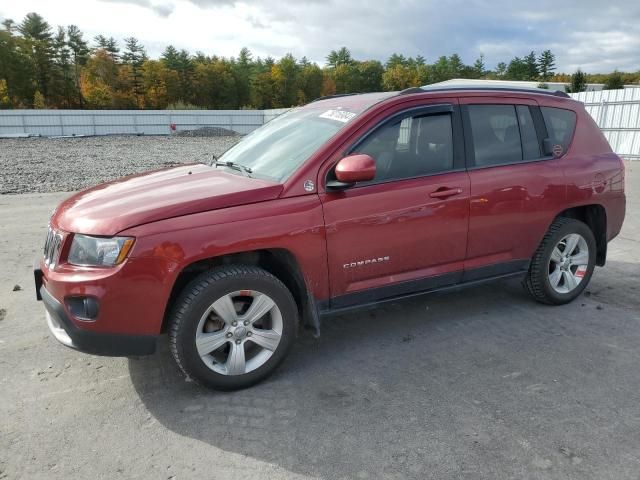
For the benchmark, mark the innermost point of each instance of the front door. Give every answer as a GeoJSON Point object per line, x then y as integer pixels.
{"type": "Point", "coordinates": [406, 230]}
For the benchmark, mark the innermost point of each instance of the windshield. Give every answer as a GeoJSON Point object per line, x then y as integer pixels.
{"type": "Point", "coordinates": [277, 149]}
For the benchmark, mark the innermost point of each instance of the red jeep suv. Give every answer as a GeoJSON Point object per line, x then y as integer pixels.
{"type": "Point", "coordinates": [348, 201]}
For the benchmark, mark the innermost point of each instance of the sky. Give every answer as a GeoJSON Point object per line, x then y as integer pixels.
{"type": "Point", "coordinates": [595, 36]}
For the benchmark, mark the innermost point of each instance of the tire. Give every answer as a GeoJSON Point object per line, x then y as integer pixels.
{"type": "Point", "coordinates": [552, 272]}
{"type": "Point", "coordinates": [217, 309]}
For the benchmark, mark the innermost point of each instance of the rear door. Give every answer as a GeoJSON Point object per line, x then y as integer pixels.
{"type": "Point", "coordinates": [515, 189]}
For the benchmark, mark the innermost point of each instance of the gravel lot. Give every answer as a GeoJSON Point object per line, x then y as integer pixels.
{"type": "Point", "coordinates": [30, 165]}
{"type": "Point", "coordinates": [480, 384]}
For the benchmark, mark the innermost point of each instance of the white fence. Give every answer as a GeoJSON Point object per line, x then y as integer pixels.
{"type": "Point", "coordinates": [51, 123]}
{"type": "Point", "coordinates": [617, 113]}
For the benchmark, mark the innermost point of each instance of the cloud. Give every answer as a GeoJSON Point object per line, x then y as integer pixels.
{"type": "Point", "coordinates": [593, 35]}
{"type": "Point", "coordinates": [160, 9]}
{"type": "Point", "coordinates": [255, 22]}
{"type": "Point", "coordinates": [586, 34]}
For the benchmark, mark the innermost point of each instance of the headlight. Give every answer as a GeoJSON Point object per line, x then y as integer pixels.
{"type": "Point", "coordinates": [99, 251]}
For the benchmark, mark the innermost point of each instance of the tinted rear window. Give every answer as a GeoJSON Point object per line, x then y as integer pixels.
{"type": "Point", "coordinates": [496, 137]}
{"type": "Point", "coordinates": [560, 125]}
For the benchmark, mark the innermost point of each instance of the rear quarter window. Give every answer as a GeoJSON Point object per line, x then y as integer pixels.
{"type": "Point", "coordinates": [560, 125]}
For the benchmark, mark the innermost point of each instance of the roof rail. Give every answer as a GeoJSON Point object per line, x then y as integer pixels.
{"type": "Point", "coordinates": [467, 87]}
{"type": "Point", "coordinates": [411, 90]}
{"type": "Point", "coordinates": [337, 95]}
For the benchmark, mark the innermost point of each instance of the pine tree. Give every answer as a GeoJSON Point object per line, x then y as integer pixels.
{"type": "Point", "coordinates": [170, 57]}
{"type": "Point", "coordinates": [285, 75]}
{"type": "Point", "coordinates": [340, 57]}
{"type": "Point", "coordinates": [9, 25]}
{"type": "Point", "coordinates": [38, 37]}
{"type": "Point", "coordinates": [304, 62]}
{"type": "Point", "coordinates": [16, 68]}
{"type": "Point", "coordinates": [439, 71]}
{"type": "Point", "coordinates": [395, 60]}
{"type": "Point", "coordinates": [184, 66]}
{"type": "Point", "coordinates": [309, 82]}
{"type": "Point", "coordinates": [531, 66]}
{"type": "Point", "coordinates": [546, 65]}
{"type": "Point", "coordinates": [478, 67]}
{"type": "Point", "coordinates": [370, 76]}
{"type": "Point", "coordinates": [80, 51]}
{"type": "Point", "coordinates": [455, 66]}
{"type": "Point", "coordinates": [243, 70]}
{"type": "Point", "coordinates": [578, 82]}
{"type": "Point", "coordinates": [107, 44]}
{"type": "Point", "coordinates": [135, 56]}
{"type": "Point", "coordinates": [517, 69]}
{"type": "Point", "coordinates": [62, 74]}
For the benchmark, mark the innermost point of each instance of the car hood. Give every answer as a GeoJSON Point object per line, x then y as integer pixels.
{"type": "Point", "coordinates": [112, 207]}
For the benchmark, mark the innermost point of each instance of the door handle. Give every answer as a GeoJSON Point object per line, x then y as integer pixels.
{"type": "Point", "coordinates": [444, 192]}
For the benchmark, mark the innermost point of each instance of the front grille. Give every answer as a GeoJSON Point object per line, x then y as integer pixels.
{"type": "Point", "coordinates": [52, 248]}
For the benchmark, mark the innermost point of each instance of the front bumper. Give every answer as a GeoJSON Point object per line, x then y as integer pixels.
{"type": "Point", "coordinates": [96, 343]}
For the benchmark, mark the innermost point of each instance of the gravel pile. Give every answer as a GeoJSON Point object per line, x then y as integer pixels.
{"type": "Point", "coordinates": [39, 165]}
{"type": "Point", "coordinates": [206, 132]}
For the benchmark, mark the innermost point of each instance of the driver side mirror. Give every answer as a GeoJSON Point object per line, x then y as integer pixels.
{"type": "Point", "coordinates": [353, 169]}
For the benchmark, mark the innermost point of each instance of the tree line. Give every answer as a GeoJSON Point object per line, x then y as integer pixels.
{"type": "Point", "coordinates": [43, 67]}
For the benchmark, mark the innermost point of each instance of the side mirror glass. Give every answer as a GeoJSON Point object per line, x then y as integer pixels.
{"type": "Point", "coordinates": [353, 169]}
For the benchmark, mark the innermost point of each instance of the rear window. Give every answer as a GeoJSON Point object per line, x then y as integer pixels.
{"type": "Point", "coordinates": [496, 137]}
{"type": "Point", "coordinates": [560, 125]}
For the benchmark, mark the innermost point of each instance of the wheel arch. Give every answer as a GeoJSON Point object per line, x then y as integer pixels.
{"type": "Point", "coordinates": [280, 262]}
{"type": "Point", "coordinates": [595, 216]}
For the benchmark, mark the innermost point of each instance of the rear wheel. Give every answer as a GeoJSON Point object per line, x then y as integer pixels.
{"type": "Point", "coordinates": [232, 326]}
{"type": "Point", "coordinates": [563, 264]}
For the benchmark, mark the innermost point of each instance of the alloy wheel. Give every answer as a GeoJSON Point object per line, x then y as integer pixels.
{"type": "Point", "coordinates": [568, 263]}
{"type": "Point", "coordinates": [239, 332]}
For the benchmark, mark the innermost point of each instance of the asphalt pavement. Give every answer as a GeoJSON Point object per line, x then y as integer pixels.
{"type": "Point", "coordinates": [479, 384]}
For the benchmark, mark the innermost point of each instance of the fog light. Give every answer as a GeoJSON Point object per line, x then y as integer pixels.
{"type": "Point", "coordinates": [83, 308]}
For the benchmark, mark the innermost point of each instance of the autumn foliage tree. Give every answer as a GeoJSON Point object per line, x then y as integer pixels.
{"type": "Point", "coordinates": [46, 67]}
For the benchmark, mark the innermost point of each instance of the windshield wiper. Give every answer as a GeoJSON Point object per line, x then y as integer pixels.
{"type": "Point", "coordinates": [236, 166]}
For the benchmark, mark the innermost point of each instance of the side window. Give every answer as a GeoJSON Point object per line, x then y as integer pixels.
{"type": "Point", "coordinates": [530, 144]}
{"type": "Point", "coordinates": [411, 147]}
{"type": "Point", "coordinates": [496, 139]}
{"type": "Point", "coordinates": [560, 125]}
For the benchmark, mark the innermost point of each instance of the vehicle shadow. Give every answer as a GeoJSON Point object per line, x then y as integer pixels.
{"type": "Point", "coordinates": [436, 386]}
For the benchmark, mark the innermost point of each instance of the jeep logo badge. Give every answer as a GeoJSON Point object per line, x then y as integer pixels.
{"type": "Point", "coordinates": [309, 186]}
{"type": "Point", "coordinates": [557, 150]}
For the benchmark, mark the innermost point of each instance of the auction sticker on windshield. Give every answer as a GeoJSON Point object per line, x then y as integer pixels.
{"type": "Point", "coordinates": [338, 115]}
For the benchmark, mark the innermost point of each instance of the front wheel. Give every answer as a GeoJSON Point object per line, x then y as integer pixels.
{"type": "Point", "coordinates": [232, 326]}
{"type": "Point", "coordinates": [563, 264]}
